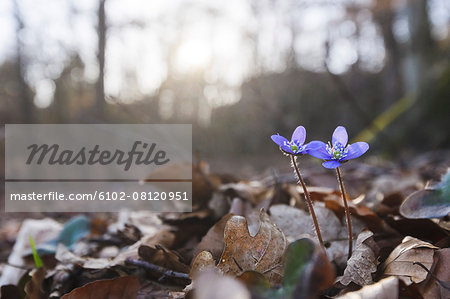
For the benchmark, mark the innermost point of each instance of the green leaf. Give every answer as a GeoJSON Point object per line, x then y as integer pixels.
{"type": "Point", "coordinates": [307, 271]}
{"type": "Point", "coordinates": [299, 254]}
{"type": "Point", "coordinates": [432, 202]}
{"type": "Point", "coordinates": [36, 257]}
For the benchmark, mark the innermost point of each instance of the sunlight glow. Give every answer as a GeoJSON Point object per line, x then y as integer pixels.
{"type": "Point", "coordinates": [45, 89]}
{"type": "Point", "coordinates": [192, 55]}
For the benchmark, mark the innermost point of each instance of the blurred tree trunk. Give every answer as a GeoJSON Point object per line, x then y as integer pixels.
{"type": "Point", "coordinates": [24, 91]}
{"type": "Point", "coordinates": [420, 45]}
{"type": "Point", "coordinates": [393, 82]}
{"type": "Point", "coordinates": [100, 86]}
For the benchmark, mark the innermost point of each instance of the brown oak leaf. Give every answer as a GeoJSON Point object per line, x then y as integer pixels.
{"type": "Point", "coordinates": [363, 261]}
{"type": "Point", "coordinates": [401, 261]}
{"type": "Point", "coordinates": [243, 252]}
{"type": "Point", "coordinates": [262, 253]}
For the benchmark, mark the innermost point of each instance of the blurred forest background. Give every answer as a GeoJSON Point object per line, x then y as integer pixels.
{"type": "Point", "coordinates": [239, 71]}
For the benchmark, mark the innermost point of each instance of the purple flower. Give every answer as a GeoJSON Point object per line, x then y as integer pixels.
{"type": "Point", "coordinates": [338, 151]}
{"type": "Point", "coordinates": [296, 146]}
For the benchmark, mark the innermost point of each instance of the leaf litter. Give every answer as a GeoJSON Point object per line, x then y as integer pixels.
{"type": "Point", "coordinates": [229, 245]}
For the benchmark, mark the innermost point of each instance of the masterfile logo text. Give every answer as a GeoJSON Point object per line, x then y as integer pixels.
{"type": "Point", "coordinates": [123, 165]}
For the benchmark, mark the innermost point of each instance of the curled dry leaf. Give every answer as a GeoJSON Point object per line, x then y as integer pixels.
{"type": "Point", "coordinates": [119, 288]}
{"type": "Point", "coordinates": [262, 253]}
{"type": "Point", "coordinates": [386, 288]}
{"type": "Point", "coordinates": [363, 261]}
{"type": "Point", "coordinates": [401, 261]}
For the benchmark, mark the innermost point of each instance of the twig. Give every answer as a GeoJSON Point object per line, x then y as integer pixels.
{"type": "Point", "coordinates": [20, 266]}
{"type": "Point", "coordinates": [308, 201]}
{"type": "Point", "coordinates": [347, 214]}
{"type": "Point", "coordinates": [155, 268]}
{"type": "Point", "coordinates": [444, 284]}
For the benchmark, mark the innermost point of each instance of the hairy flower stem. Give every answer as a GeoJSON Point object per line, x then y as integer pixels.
{"type": "Point", "coordinates": [308, 201]}
{"type": "Point", "coordinates": [347, 213]}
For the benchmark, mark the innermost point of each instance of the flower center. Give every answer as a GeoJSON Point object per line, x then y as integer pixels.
{"type": "Point", "coordinates": [337, 151]}
{"type": "Point", "coordinates": [294, 145]}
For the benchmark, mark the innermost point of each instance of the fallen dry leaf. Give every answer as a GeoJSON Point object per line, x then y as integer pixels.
{"type": "Point", "coordinates": [154, 290]}
{"type": "Point", "coordinates": [161, 256]}
{"type": "Point", "coordinates": [213, 240]}
{"type": "Point", "coordinates": [203, 261]}
{"type": "Point", "coordinates": [253, 191]}
{"type": "Point", "coordinates": [148, 222]}
{"type": "Point", "coordinates": [319, 193]}
{"type": "Point", "coordinates": [65, 256]}
{"type": "Point", "coordinates": [430, 288]}
{"type": "Point", "coordinates": [333, 200]}
{"type": "Point", "coordinates": [119, 288]}
{"type": "Point", "coordinates": [164, 238]}
{"type": "Point", "coordinates": [62, 280]}
{"type": "Point", "coordinates": [253, 279]}
{"type": "Point", "coordinates": [262, 253]}
{"type": "Point", "coordinates": [363, 213]}
{"type": "Point", "coordinates": [10, 291]}
{"type": "Point", "coordinates": [33, 288]}
{"type": "Point", "coordinates": [363, 261]}
{"type": "Point", "coordinates": [297, 224]}
{"type": "Point", "coordinates": [386, 289]}
{"type": "Point", "coordinates": [401, 261]}
{"type": "Point", "coordinates": [423, 229]}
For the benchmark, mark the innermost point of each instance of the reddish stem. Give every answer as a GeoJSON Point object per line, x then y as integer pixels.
{"type": "Point", "coordinates": [347, 213]}
{"type": "Point", "coordinates": [308, 201]}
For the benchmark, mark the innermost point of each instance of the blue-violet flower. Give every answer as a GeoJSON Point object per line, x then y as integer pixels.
{"type": "Point", "coordinates": [294, 147]}
{"type": "Point", "coordinates": [338, 151]}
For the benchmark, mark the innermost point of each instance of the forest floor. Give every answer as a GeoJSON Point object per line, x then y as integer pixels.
{"type": "Point", "coordinates": [250, 223]}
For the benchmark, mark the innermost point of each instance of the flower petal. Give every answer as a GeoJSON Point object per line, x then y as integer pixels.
{"type": "Point", "coordinates": [315, 144]}
{"type": "Point", "coordinates": [318, 149]}
{"type": "Point", "coordinates": [356, 149]}
{"type": "Point", "coordinates": [340, 135]}
{"type": "Point", "coordinates": [278, 139]}
{"type": "Point", "coordinates": [299, 134]}
{"type": "Point", "coordinates": [331, 164]}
